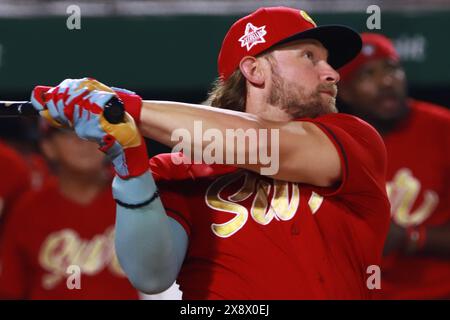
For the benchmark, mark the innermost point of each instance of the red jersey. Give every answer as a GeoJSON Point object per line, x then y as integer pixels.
{"type": "Point", "coordinates": [419, 190]}
{"type": "Point", "coordinates": [253, 237]}
{"type": "Point", "coordinates": [15, 177]}
{"type": "Point", "coordinates": [46, 233]}
{"type": "Point", "coordinates": [39, 168]}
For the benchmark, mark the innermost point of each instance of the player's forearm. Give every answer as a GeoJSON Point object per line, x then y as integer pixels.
{"type": "Point", "coordinates": [146, 243]}
{"type": "Point", "coordinates": [159, 119]}
{"type": "Point", "coordinates": [291, 151]}
{"type": "Point", "coordinates": [170, 122]}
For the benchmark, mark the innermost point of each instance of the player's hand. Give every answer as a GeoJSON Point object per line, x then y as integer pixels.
{"type": "Point", "coordinates": [50, 101]}
{"type": "Point", "coordinates": [79, 104]}
{"type": "Point", "coordinates": [396, 239]}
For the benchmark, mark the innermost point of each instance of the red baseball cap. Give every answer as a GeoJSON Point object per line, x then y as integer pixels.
{"type": "Point", "coordinates": [266, 27]}
{"type": "Point", "coordinates": [375, 46]}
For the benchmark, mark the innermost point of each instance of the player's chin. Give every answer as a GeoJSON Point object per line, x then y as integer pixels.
{"type": "Point", "coordinates": [332, 106]}
{"type": "Point", "coordinates": [328, 104]}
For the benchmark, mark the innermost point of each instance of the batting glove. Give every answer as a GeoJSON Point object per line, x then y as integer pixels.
{"type": "Point", "coordinates": [79, 104]}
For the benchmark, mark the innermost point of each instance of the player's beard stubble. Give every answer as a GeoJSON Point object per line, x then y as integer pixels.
{"type": "Point", "coordinates": [297, 102]}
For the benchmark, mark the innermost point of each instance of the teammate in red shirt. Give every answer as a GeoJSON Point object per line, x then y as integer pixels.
{"type": "Point", "coordinates": [417, 138]}
{"type": "Point", "coordinates": [69, 222]}
{"type": "Point", "coordinates": [19, 134]}
{"type": "Point", "coordinates": [310, 228]}
{"type": "Point", "coordinates": [15, 178]}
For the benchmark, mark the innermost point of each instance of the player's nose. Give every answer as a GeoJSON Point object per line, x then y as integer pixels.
{"type": "Point", "coordinates": [328, 74]}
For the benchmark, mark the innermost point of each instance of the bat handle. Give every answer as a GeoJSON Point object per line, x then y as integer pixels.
{"type": "Point", "coordinates": [23, 109]}
{"type": "Point", "coordinates": [114, 111]}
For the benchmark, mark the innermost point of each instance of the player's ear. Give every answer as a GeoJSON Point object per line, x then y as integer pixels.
{"type": "Point", "coordinates": [253, 70]}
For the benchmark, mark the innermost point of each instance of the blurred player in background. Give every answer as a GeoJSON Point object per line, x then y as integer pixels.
{"type": "Point", "coordinates": [22, 135]}
{"type": "Point", "coordinates": [67, 222]}
{"type": "Point", "coordinates": [14, 179]}
{"type": "Point", "coordinates": [417, 138]}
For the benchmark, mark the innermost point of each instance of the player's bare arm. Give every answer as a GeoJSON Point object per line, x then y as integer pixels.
{"type": "Point", "coordinates": [306, 154]}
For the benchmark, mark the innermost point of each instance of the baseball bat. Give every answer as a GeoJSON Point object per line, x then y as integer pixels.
{"type": "Point", "coordinates": [113, 112]}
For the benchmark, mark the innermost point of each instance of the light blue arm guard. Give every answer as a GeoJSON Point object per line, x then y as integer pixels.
{"type": "Point", "coordinates": [150, 245]}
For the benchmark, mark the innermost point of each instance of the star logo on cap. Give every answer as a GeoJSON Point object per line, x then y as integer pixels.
{"type": "Point", "coordinates": [252, 36]}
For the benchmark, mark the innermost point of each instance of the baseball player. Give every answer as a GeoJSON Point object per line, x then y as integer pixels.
{"type": "Point", "coordinates": [309, 230]}
{"type": "Point", "coordinates": [15, 178]}
{"type": "Point", "coordinates": [20, 135]}
{"type": "Point", "coordinates": [417, 138]}
{"type": "Point", "coordinates": [59, 240]}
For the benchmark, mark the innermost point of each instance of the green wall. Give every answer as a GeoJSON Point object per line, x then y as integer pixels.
{"type": "Point", "coordinates": [179, 53]}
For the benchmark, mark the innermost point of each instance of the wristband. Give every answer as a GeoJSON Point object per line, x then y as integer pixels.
{"type": "Point", "coordinates": [138, 205]}
{"type": "Point", "coordinates": [132, 103]}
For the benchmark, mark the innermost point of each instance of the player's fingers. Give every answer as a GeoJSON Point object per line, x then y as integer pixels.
{"type": "Point", "coordinates": [71, 84]}
{"type": "Point", "coordinates": [46, 115]}
{"type": "Point", "coordinates": [76, 115]}
{"type": "Point", "coordinates": [125, 91]}
{"type": "Point", "coordinates": [74, 96]}
{"type": "Point", "coordinates": [93, 84]}
{"type": "Point", "coordinates": [64, 114]}
{"type": "Point", "coordinates": [96, 100]}
{"type": "Point", "coordinates": [79, 127]}
{"type": "Point", "coordinates": [37, 97]}
{"type": "Point", "coordinates": [55, 114]}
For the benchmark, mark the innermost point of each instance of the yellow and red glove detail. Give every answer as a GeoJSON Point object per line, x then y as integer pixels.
{"type": "Point", "coordinates": [79, 103]}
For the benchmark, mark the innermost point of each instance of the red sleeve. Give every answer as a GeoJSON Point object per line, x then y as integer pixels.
{"type": "Point", "coordinates": [447, 168]}
{"type": "Point", "coordinates": [15, 177]}
{"type": "Point", "coordinates": [361, 150]}
{"type": "Point", "coordinates": [13, 255]}
{"type": "Point", "coordinates": [363, 160]}
{"type": "Point", "coordinates": [170, 181]}
{"type": "Point", "coordinates": [175, 204]}
{"type": "Point", "coordinates": [442, 119]}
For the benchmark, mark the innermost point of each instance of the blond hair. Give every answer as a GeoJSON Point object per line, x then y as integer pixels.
{"type": "Point", "coordinates": [230, 94]}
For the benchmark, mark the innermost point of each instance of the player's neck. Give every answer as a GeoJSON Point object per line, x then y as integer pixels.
{"type": "Point", "coordinates": [81, 188]}
{"type": "Point", "coordinates": [261, 108]}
